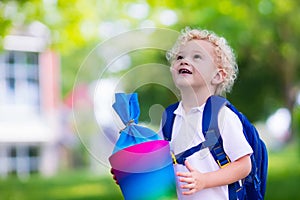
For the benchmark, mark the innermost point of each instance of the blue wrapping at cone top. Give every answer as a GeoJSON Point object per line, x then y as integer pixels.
{"type": "Point", "coordinates": [141, 160]}
{"type": "Point", "coordinates": [127, 107]}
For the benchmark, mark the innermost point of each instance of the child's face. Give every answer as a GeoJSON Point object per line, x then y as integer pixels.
{"type": "Point", "coordinates": [194, 66]}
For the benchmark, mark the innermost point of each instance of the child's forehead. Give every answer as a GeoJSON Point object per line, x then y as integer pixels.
{"type": "Point", "coordinates": [203, 46]}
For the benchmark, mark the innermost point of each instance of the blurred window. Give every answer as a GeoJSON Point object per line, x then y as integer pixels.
{"type": "Point", "coordinates": [21, 160]}
{"type": "Point", "coordinates": [19, 79]}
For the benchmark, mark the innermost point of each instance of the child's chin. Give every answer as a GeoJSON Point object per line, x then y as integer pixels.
{"type": "Point", "coordinates": [183, 85]}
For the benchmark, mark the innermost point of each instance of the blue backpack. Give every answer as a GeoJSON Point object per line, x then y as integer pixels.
{"type": "Point", "coordinates": [254, 185]}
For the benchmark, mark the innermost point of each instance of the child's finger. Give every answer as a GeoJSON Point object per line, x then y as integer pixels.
{"type": "Point", "coordinates": [189, 192]}
{"type": "Point", "coordinates": [187, 180]}
{"type": "Point", "coordinates": [184, 174]}
{"type": "Point", "coordinates": [112, 171]}
{"type": "Point", "coordinates": [189, 186]}
{"type": "Point", "coordinates": [188, 166]}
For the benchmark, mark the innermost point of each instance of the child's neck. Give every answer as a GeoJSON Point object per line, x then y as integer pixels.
{"type": "Point", "coordinates": [191, 99]}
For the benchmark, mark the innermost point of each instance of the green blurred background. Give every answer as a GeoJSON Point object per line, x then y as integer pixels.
{"type": "Point", "coordinates": [263, 33]}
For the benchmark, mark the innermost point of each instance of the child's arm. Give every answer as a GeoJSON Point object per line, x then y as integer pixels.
{"type": "Point", "coordinates": [196, 181]}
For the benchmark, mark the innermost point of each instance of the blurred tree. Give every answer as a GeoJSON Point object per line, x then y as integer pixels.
{"type": "Point", "coordinates": [264, 33]}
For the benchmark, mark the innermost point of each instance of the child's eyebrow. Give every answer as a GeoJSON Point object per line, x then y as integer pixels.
{"type": "Point", "coordinates": [197, 51]}
{"type": "Point", "coordinates": [200, 52]}
{"type": "Point", "coordinates": [194, 51]}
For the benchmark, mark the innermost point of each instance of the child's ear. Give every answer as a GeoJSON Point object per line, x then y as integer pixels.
{"type": "Point", "coordinates": [219, 77]}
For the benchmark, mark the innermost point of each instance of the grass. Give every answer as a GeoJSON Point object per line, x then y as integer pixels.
{"type": "Point", "coordinates": [283, 183]}
{"type": "Point", "coordinates": [284, 174]}
{"type": "Point", "coordinates": [75, 185]}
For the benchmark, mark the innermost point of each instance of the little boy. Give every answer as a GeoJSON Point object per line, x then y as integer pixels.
{"type": "Point", "coordinates": [203, 64]}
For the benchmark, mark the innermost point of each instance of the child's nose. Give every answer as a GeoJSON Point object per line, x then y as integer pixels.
{"type": "Point", "coordinates": [184, 61]}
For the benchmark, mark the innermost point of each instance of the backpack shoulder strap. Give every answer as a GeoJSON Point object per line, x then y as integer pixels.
{"type": "Point", "coordinates": [210, 126]}
{"type": "Point", "coordinates": [168, 120]}
{"type": "Point", "coordinates": [210, 129]}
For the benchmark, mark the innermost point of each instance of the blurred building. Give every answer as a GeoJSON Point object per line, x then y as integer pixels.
{"type": "Point", "coordinates": [29, 103]}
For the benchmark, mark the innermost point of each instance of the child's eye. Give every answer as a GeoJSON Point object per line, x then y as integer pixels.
{"type": "Point", "coordinates": [197, 56]}
{"type": "Point", "coordinates": [179, 57]}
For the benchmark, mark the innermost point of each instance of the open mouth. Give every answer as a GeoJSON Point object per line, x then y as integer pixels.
{"type": "Point", "coordinates": [184, 71]}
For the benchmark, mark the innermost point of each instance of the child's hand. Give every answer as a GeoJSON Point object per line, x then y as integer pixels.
{"type": "Point", "coordinates": [195, 180]}
{"type": "Point", "coordinates": [114, 176]}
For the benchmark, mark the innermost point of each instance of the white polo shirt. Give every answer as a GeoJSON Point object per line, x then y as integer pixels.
{"type": "Point", "coordinates": [187, 132]}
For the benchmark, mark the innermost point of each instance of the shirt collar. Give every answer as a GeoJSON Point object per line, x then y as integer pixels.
{"type": "Point", "coordinates": [180, 110]}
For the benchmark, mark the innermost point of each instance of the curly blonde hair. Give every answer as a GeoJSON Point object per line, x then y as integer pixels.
{"type": "Point", "coordinates": [225, 57]}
